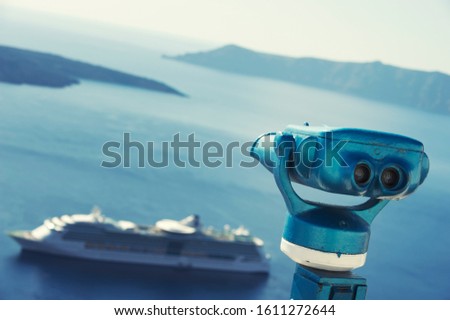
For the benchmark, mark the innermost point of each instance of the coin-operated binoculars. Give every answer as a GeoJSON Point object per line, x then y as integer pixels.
{"type": "Point", "coordinates": [328, 241]}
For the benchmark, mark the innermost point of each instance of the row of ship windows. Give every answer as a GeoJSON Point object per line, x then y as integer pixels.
{"type": "Point", "coordinates": [173, 246]}
{"type": "Point", "coordinates": [112, 247]}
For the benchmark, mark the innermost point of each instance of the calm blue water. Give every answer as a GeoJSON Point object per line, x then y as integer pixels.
{"type": "Point", "coordinates": [50, 155]}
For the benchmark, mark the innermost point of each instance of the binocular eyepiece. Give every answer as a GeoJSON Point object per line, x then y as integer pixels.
{"type": "Point", "coordinates": [377, 165]}
{"type": "Point", "coordinates": [347, 161]}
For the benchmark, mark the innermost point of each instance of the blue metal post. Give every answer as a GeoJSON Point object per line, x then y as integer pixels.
{"type": "Point", "coordinates": [315, 284]}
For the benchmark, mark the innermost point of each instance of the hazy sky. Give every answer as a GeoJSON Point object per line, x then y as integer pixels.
{"type": "Point", "coordinates": [408, 33]}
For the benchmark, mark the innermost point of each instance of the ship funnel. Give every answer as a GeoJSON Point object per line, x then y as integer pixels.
{"type": "Point", "coordinates": [191, 221]}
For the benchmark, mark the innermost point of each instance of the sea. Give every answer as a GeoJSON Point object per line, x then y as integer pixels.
{"type": "Point", "coordinates": [51, 153]}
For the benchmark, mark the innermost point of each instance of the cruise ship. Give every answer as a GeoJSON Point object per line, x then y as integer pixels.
{"type": "Point", "coordinates": [183, 244]}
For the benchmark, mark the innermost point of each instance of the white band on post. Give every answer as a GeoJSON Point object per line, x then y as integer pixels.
{"type": "Point", "coordinates": [320, 259]}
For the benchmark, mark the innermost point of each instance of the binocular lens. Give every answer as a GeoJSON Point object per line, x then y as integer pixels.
{"type": "Point", "coordinates": [390, 177]}
{"type": "Point", "coordinates": [361, 174]}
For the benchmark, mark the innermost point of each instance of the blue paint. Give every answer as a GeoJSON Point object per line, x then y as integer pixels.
{"type": "Point", "coordinates": [309, 283]}
{"type": "Point", "coordinates": [331, 228]}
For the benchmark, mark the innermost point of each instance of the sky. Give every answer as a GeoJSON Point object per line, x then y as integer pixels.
{"type": "Point", "coordinates": [407, 33]}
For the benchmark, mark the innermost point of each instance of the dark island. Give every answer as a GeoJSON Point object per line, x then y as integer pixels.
{"type": "Point", "coordinates": [428, 91]}
{"type": "Point", "coordinates": [18, 66]}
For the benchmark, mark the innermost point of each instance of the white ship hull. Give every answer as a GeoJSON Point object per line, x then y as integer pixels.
{"type": "Point", "coordinates": [78, 250]}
